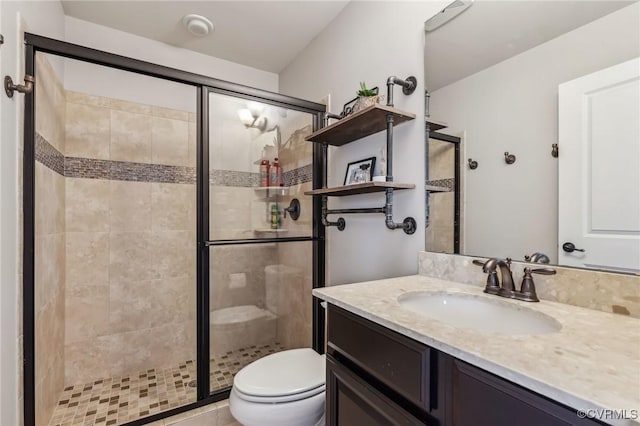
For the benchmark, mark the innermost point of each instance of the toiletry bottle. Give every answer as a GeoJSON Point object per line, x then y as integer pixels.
{"type": "Point", "coordinates": [276, 174]}
{"type": "Point", "coordinates": [264, 173]}
{"type": "Point", "coordinates": [275, 216]}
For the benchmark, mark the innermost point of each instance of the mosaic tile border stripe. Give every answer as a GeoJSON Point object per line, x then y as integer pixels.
{"type": "Point", "coordinates": [48, 155]}
{"type": "Point", "coordinates": [234, 178]}
{"type": "Point", "coordinates": [91, 168]}
{"type": "Point", "coordinates": [298, 176]}
{"type": "Point", "coordinates": [448, 183]}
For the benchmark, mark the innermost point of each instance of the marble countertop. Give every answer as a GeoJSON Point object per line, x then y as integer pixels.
{"type": "Point", "coordinates": [593, 362]}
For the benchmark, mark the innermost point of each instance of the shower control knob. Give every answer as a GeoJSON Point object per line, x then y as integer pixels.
{"type": "Point", "coordinates": [570, 248]}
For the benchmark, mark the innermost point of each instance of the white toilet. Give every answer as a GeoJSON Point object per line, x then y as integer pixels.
{"type": "Point", "coordinates": [282, 389]}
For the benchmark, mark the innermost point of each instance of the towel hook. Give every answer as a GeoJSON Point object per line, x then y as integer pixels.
{"type": "Point", "coordinates": [509, 158]}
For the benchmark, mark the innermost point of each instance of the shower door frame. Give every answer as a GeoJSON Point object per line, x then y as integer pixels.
{"type": "Point", "coordinates": [456, 141]}
{"type": "Point", "coordinates": [204, 85]}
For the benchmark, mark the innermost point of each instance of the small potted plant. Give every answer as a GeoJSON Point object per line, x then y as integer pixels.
{"type": "Point", "coordinates": [366, 97]}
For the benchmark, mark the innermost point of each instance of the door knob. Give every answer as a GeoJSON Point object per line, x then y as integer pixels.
{"type": "Point", "coordinates": [570, 248]}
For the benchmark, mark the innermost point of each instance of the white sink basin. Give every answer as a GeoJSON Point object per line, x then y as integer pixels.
{"type": "Point", "coordinates": [479, 313]}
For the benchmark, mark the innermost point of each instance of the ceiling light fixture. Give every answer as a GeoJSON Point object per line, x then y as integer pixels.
{"type": "Point", "coordinates": [253, 117]}
{"type": "Point", "coordinates": [198, 25]}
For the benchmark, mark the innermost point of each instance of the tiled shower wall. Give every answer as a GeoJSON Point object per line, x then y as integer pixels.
{"type": "Point", "coordinates": [49, 246]}
{"type": "Point", "coordinates": [130, 252]}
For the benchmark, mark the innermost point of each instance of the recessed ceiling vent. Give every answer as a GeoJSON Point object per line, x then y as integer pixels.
{"type": "Point", "coordinates": [198, 25]}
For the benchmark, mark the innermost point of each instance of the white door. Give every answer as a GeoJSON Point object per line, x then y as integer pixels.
{"type": "Point", "coordinates": [599, 169]}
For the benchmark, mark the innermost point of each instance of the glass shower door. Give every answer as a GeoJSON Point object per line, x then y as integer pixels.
{"type": "Point", "coordinates": [260, 232]}
{"type": "Point", "coordinates": [115, 208]}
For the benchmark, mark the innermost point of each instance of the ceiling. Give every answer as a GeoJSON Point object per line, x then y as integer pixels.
{"type": "Point", "coordinates": [492, 31]}
{"type": "Point", "coordinates": [266, 35]}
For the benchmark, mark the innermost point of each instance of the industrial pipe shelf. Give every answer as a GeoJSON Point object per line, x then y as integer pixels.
{"type": "Point", "coordinates": [370, 120]}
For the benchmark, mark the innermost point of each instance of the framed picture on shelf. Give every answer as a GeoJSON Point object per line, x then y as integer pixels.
{"type": "Point", "coordinates": [360, 171]}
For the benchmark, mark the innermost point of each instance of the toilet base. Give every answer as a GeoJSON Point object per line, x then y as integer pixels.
{"type": "Point", "coordinates": [305, 412]}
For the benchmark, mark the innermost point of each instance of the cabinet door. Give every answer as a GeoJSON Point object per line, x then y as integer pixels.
{"type": "Point", "coordinates": [400, 363]}
{"type": "Point", "coordinates": [351, 402]}
{"type": "Point", "coordinates": [479, 398]}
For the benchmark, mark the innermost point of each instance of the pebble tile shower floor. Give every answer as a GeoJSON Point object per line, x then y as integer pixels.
{"type": "Point", "coordinates": [118, 400]}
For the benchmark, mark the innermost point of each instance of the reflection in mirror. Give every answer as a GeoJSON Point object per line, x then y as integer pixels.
{"type": "Point", "coordinates": [519, 77]}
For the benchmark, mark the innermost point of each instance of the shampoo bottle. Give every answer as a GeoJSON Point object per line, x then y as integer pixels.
{"type": "Point", "coordinates": [275, 216]}
{"type": "Point", "coordinates": [276, 174]}
{"type": "Point", "coordinates": [264, 173]}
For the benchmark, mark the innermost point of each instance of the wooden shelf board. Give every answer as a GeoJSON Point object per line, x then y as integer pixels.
{"type": "Point", "coordinates": [434, 188]}
{"type": "Point", "coordinates": [435, 125]}
{"type": "Point", "coordinates": [359, 188]}
{"type": "Point", "coordinates": [359, 125]}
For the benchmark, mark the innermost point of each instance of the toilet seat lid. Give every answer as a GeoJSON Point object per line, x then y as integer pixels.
{"type": "Point", "coordinates": [284, 373]}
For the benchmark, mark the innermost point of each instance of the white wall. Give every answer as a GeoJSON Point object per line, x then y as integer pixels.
{"type": "Point", "coordinates": [512, 210]}
{"type": "Point", "coordinates": [370, 41]}
{"type": "Point", "coordinates": [101, 81]}
{"type": "Point", "coordinates": [46, 18]}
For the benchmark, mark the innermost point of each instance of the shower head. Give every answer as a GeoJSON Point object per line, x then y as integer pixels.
{"type": "Point", "coordinates": [447, 14]}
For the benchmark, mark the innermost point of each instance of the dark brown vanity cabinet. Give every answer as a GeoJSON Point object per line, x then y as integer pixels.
{"type": "Point", "coordinates": [376, 376]}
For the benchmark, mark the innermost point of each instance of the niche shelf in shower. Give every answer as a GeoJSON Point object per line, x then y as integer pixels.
{"type": "Point", "coordinates": [358, 125]}
{"type": "Point", "coordinates": [359, 188]}
{"type": "Point", "coordinates": [271, 193]}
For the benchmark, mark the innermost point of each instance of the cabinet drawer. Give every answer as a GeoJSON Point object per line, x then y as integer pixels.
{"type": "Point", "coordinates": [350, 401]}
{"type": "Point", "coordinates": [398, 362]}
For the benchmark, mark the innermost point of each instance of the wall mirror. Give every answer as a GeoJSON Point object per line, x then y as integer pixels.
{"type": "Point", "coordinates": [533, 132]}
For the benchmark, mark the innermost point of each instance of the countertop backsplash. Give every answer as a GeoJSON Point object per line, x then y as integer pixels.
{"type": "Point", "coordinates": [602, 291]}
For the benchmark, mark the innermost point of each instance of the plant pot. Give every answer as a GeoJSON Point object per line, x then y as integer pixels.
{"type": "Point", "coordinates": [365, 102]}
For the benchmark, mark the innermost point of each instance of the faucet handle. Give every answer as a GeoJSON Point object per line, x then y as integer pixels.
{"type": "Point", "coordinates": [528, 288]}
{"type": "Point", "coordinates": [479, 262]}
